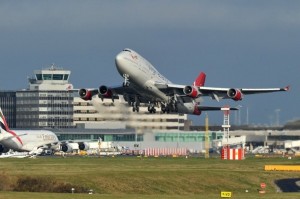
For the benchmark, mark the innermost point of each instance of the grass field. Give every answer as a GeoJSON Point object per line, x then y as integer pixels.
{"type": "Point", "coordinates": [132, 177]}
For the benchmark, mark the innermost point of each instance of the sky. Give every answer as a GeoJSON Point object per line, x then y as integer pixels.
{"type": "Point", "coordinates": [237, 44]}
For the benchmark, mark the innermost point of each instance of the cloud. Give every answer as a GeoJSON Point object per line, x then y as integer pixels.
{"type": "Point", "coordinates": [125, 15]}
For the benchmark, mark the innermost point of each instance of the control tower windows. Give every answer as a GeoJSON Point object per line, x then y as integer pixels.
{"type": "Point", "coordinates": [66, 77]}
{"type": "Point", "coordinates": [58, 76]}
{"type": "Point", "coordinates": [47, 76]}
{"type": "Point", "coordinates": [39, 76]}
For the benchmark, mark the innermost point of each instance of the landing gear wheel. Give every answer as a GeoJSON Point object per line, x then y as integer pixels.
{"type": "Point", "coordinates": [163, 109]}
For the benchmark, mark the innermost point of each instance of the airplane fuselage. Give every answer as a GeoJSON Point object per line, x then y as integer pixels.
{"type": "Point", "coordinates": [28, 140]}
{"type": "Point", "coordinates": [142, 74]}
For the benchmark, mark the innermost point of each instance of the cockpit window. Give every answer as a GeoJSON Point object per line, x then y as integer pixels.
{"type": "Point", "coordinates": [126, 50]}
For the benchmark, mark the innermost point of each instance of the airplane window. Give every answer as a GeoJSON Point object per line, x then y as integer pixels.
{"type": "Point", "coordinates": [126, 50]}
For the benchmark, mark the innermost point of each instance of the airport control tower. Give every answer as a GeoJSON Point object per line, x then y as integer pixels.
{"type": "Point", "coordinates": [48, 102]}
{"type": "Point", "coordinates": [52, 78]}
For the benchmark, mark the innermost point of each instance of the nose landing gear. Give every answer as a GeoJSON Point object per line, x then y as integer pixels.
{"type": "Point", "coordinates": [126, 82]}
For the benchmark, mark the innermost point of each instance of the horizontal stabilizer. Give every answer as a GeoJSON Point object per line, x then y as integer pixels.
{"type": "Point", "coordinates": [213, 108]}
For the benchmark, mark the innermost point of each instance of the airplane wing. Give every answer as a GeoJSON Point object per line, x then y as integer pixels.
{"type": "Point", "coordinates": [213, 108]}
{"type": "Point", "coordinates": [214, 92]}
{"type": "Point", "coordinates": [235, 93]}
{"type": "Point", "coordinates": [129, 93]}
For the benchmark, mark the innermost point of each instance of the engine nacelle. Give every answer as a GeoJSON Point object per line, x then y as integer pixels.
{"type": "Point", "coordinates": [191, 91]}
{"type": "Point", "coordinates": [235, 94]}
{"type": "Point", "coordinates": [83, 146]}
{"type": "Point", "coordinates": [3, 149]}
{"type": "Point", "coordinates": [66, 148]}
{"type": "Point", "coordinates": [85, 94]}
{"type": "Point", "coordinates": [105, 92]}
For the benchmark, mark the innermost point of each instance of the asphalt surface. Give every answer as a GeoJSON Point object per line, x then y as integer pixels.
{"type": "Point", "coordinates": [289, 185]}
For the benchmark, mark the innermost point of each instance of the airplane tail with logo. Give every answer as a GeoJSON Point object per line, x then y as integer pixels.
{"type": "Point", "coordinates": [200, 80]}
{"type": "Point", "coordinates": [3, 122]}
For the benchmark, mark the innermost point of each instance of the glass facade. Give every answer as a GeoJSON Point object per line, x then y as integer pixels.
{"type": "Point", "coordinates": [41, 77]}
{"type": "Point", "coordinates": [104, 137]}
{"type": "Point", "coordinates": [8, 106]}
{"type": "Point", "coordinates": [186, 137]}
{"type": "Point", "coordinates": [40, 109]}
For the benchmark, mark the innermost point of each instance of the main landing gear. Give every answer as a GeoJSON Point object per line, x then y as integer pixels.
{"type": "Point", "coordinates": [151, 108]}
{"type": "Point", "coordinates": [135, 107]}
{"type": "Point", "coordinates": [136, 104]}
{"type": "Point", "coordinates": [165, 109]}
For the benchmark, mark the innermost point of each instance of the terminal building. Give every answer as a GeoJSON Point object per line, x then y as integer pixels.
{"type": "Point", "coordinates": [8, 106]}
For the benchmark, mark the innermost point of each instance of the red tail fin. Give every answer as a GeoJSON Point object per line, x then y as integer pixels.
{"type": "Point", "coordinates": [200, 80]}
{"type": "Point", "coordinates": [3, 122]}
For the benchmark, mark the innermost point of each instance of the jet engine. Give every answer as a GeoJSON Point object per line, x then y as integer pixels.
{"type": "Point", "coordinates": [105, 92]}
{"type": "Point", "coordinates": [235, 94]}
{"type": "Point", "coordinates": [3, 149]}
{"type": "Point", "coordinates": [191, 91]}
{"type": "Point", "coordinates": [83, 146]}
{"type": "Point", "coordinates": [66, 148]}
{"type": "Point", "coordinates": [85, 94]}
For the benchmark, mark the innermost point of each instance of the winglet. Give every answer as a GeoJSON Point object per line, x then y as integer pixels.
{"type": "Point", "coordinates": [200, 80]}
{"type": "Point", "coordinates": [287, 88]}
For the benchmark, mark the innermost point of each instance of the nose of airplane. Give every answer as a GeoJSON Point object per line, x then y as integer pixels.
{"type": "Point", "coordinates": [119, 59]}
{"type": "Point", "coordinates": [120, 62]}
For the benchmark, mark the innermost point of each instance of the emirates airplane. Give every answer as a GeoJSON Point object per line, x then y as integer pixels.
{"type": "Point", "coordinates": [32, 141]}
{"type": "Point", "coordinates": [144, 84]}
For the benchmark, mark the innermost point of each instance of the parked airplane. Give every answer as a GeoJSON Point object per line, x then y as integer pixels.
{"type": "Point", "coordinates": [144, 84]}
{"type": "Point", "coordinates": [32, 141]}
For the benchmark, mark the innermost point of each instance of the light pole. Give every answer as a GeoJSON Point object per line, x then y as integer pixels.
{"type": "Point", "coordinates": [247, 117]}
{"type": "Point", "coordinates": [239, 114]}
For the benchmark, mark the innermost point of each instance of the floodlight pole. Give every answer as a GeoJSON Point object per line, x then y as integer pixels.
{"type": "Point", "coordinates": [206, 137]}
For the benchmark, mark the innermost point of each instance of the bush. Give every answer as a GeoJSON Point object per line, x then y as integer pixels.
{"type": "Point", "coordinates": [40, 184]}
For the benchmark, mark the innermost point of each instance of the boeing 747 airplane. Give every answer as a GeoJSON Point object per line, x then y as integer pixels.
{"type": "Point", "coordinates": [144, 84]}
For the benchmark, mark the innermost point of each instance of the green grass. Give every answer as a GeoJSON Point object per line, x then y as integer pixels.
{"type": "Point", "coordinates": [134, 177]}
